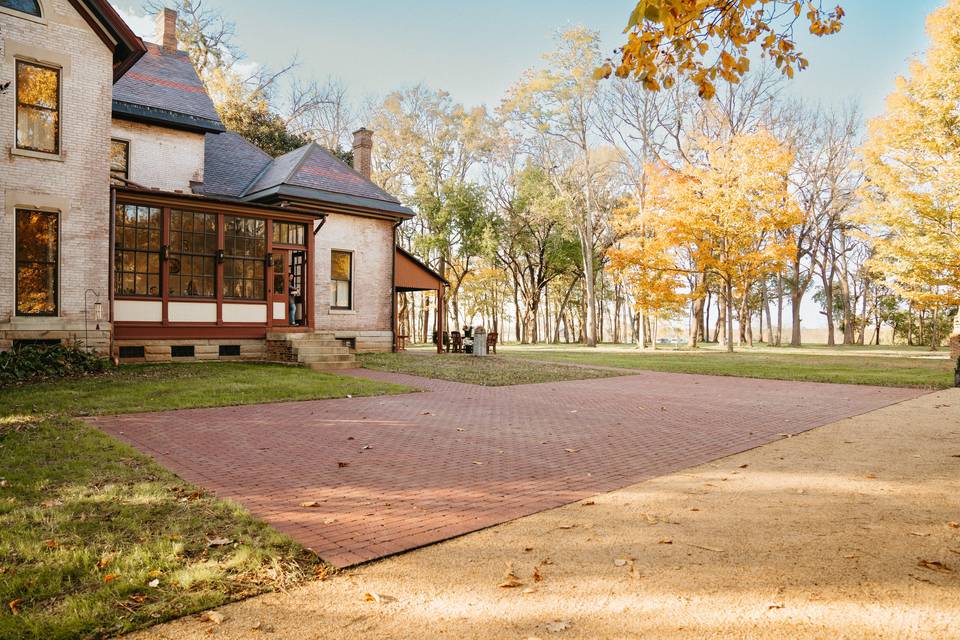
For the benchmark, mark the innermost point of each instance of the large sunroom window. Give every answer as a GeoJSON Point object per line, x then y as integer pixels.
{"type": "Point", "coordinates": [193, 247]}
{"type": "Point", "coordinates": [244, 262]}
{"type": "Point", "coordinates": [137, 250]}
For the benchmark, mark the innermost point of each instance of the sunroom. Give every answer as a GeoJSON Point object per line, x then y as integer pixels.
{"type": "Point", "coordinates": [188, 267]}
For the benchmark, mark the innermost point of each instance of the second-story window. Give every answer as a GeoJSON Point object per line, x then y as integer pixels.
{"type": "Point", "coordinates": [119, 161]}
{"type": "Point", "coordinates": [38, 107]}
{"type": "Point", "coordinates": [29, 7]}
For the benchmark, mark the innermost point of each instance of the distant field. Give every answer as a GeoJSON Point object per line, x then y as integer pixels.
{"type": "Point", "coordinates": [884, 365]}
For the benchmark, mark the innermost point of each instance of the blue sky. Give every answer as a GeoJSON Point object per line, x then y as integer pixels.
{"type": "Point", "coordinates": [477, 50]}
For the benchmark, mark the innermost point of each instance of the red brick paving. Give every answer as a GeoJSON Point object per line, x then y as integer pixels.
{"type": "Point", "coordinates": [420, 482]}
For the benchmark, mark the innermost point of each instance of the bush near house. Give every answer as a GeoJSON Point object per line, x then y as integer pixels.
{"type": "Point", "coordinates": [36, 363]}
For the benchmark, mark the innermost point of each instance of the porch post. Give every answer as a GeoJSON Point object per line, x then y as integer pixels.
{"type": "Point", "coordinates": [440, 317]}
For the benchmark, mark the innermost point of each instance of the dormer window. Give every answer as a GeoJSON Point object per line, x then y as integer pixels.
{"type": "Point", "coordinates": [29, 7]}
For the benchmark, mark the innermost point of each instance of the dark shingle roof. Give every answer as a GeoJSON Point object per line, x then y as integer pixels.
{"type": "Point", "coordinates": [163, 86]}
{"type": "Point", "coordinates": [235, 168]}
{"type": "Point", "coordinates": [231, 163]}
{"type": "Point", "coordinates": [313, 167]}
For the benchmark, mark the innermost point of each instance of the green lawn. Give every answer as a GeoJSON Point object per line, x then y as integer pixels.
{"type": "Point", "coordinates": [492, 371]}
{"type": "Point", "coordinates": [97, 540]}
{"type": "Point", "coordinates": [851, 365]}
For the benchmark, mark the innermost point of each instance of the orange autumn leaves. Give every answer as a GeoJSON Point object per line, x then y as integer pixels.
{"type": "Point", "coordinates": [727, 217]}
{"type": "Point", "coordinates": [708, 40]}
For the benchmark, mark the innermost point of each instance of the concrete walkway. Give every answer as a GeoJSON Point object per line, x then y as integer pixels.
{"type": "Point", "coordinates": [362, 478]}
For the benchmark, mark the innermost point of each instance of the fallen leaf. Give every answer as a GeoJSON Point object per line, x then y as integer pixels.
{"type": "Point", "coordinates": [311, 503]}
{"type": "Point", "coordinates": [588, 503]}
{"type": "Point", "coordinates": [529, 590]}
{"type": "Point", "coordinates": [211, 616]}
{"type": "Point", "coordinates": [850, 556]}
{"type": "Point", "coordinates": [460, 429]}
{"type": "Point", "coordinates": [329, 520]}
{"type": "Point", "coordinates": [219, 542]}
{"type": "Point", "coordinates": [110, 577]}
{"type": "Point", "coordinates": [619, 562]}
{"type": "Point", "coordinates": [366, 447]}
{"type": "Point", "coordinates": [743, 466]}
{"type": "Point", "coordinates": [155, 573]}
{"type": "Point", "coordinates": [920, 534]}
{"type": "Point", "coordinates": [379, 598]}
{"type": "Point", "coordinates": [477, 462]}
{"type": "Point", "coordinates": [425, 413]}
{"type": "Point", "coordinates": [954, 525]}
{"type": "Point", "coordinates": [566, 526]}
{"type": "Point", "coordinates": [104, 561]}
{"type": "Point", "coordinates": [528, 549]}
{"type": "Point", "coordinates": [138, 598]}
{"type": "Point", "coordinates": [256, 625]}
{"type": "Point", "coordinates": [557, 626]}
{"type": "Point", "coordinates": [571, 450]}
{"type": "Point", "coordinates": [52, 544]}
{"type": "Point", "coordinates": [14, 605]}
{"type": "Point", "coordinates": [664, 541]}
{"type": "Point", "coordinates": [871, 476]}
{"type": "Point", "coordinates": [537, 576]}
{"type": "Point", "coordinates": [775, 605]}
{"type": "Point", "coordinates": [343, 464]}
{"type": "Point", "coordinates": [510, 579]}
{"type": "Point", "coordinates": [935, 565]}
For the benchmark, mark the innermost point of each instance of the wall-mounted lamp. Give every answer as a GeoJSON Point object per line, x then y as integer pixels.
{"type": "Point", "coordinates": [97, 312]}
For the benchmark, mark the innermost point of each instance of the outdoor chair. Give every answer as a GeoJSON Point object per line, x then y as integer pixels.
{"type": "Point", "coordinates": [456, 342]}
{"type": "Point", "coordinates": [492, 342]}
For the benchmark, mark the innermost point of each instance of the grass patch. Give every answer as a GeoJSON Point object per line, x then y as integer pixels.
{"type": "Point", "coordinates": [87, 523]}
{"type": "Point", "coordinates": [160, 387]}
{"type": "Point", "coordinates": [857, 366]}
{"type": "Point", "coordinates": [491, 371]}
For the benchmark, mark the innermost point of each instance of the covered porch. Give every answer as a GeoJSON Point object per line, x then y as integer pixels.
{"type": "Point", "coordinates": [410, 274]}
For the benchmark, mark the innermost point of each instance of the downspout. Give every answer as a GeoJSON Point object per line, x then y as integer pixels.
{"type": "Point", "coordinates": [110, 276]}
{"type": "Point", "coordinates": [393, 289]}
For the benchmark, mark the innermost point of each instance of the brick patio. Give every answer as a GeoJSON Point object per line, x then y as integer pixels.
{"type": "Point", "coordinates": [394, 473]}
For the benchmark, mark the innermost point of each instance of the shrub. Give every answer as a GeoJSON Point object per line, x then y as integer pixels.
{"type": "Point", "coordinates": [35, 363]}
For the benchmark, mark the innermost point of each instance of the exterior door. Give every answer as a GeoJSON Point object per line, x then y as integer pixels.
{"type": "Point", "coordinates": [279, 291]}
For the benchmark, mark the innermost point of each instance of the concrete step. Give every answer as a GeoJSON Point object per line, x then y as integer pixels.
{"type": "Point", "coordinates": [343, 357]}
{"type": "Point", "coordinates": [332, 366]}
{"type": "Point", "coordinates": [321, 351]}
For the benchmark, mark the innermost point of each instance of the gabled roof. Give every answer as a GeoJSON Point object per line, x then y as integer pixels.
{"type": "Point", "coordinates": [127, 48]}
{"type": "Point", "coordinates": [163, 88]}
{"type": "Point", "coordinates": [313, 173]}
{"type": "Point", "coordinates": [231, 164]}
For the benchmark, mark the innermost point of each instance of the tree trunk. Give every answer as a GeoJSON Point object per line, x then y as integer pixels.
{"type": "Point", "coordinates": [935, 330]}
{"type": "Point", "coordinates": [778, 340]}
{"type": "Point", "coordinates": [729, 312]}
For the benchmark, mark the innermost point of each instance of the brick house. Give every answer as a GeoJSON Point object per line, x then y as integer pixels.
{"type": "Point", "coordinates": [131, 220]}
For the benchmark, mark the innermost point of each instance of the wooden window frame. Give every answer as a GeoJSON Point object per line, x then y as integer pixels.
{"type": "Point", "coordinates": [56, 271]}
{"type": "Point", "coordinates": [58, 110]}
{"type": "Point", "coordinates": [23, 14]}
{"type": "Point", "coordinates": [160, 252]}
{"type": "Point", "coordinates": [174, 252]}
{"type": "Point", "coordinates": [349, 282]}
{"type": "Point", "coordinates": [263, 259]}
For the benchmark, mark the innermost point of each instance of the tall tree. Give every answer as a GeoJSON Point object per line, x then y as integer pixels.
{"type": "Point", "coordinates": [557, 106]}
{"type": "Point", "coordinates": [912, 161]}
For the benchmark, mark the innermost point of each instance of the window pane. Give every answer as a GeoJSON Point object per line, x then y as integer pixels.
{"type": "Point", "coordinates": [38, 107]}
{"type": "Point", "coordinates": [36, 257]}
{"type": "Point", "coordinates": [119, 159]}
{"type": "Point", "coordinates": [244, 272]}
{"type": "Point", "coordinates": [339, 265]}
{"type": "Point", "coordinates": [193, 239]}
{"type": "Point", "coordinates": [137, 251]}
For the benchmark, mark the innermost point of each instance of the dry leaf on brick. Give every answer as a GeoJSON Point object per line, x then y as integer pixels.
{"type": "Point", "coordinates": [619, 562]}
{"type": "Point", "coordinates": [310, 504]}
{"type": "Point", "coordinates": [341, 465]}
{"type": "Point", "coordinates": [571, 450]}
{"type": "Point", "coordinates": [664, 541]}
{"type": "Point", "coordinates": [558, 625]}
{"type": "Point", "coordinates": [954, 525]}
{"type": "Point", "coordinates": [537, 576]}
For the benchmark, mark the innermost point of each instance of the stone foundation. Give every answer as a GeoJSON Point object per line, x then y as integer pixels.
{"type": "Point", "coordinates": [203, 350]}
{"type": "Point", "coordinates": [367, 341]}
{"type": "Point", "coordinates": [280, 351]}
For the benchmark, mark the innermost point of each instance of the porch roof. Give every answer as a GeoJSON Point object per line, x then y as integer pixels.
{"type": "Point", "coordinates": [413, 275]}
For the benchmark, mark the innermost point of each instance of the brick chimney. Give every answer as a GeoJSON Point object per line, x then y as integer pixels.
{"type": "Point", "coordinates": [362, 150]}
{"type": "Point", "coordinates": [167, 29]}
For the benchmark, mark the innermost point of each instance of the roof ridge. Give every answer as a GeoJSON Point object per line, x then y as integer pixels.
{"type": "Point", "coordinates": [269, 165]}
{"type": "Point", "coordinates": [390, 198]}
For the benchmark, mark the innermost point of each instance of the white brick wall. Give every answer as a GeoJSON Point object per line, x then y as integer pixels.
{"type": "Point", "coordinates": [371, 241]}
{"type": "Point", "coordinates": [162, 158]}
{"type": "Point", "coordinates": [79, 180]}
